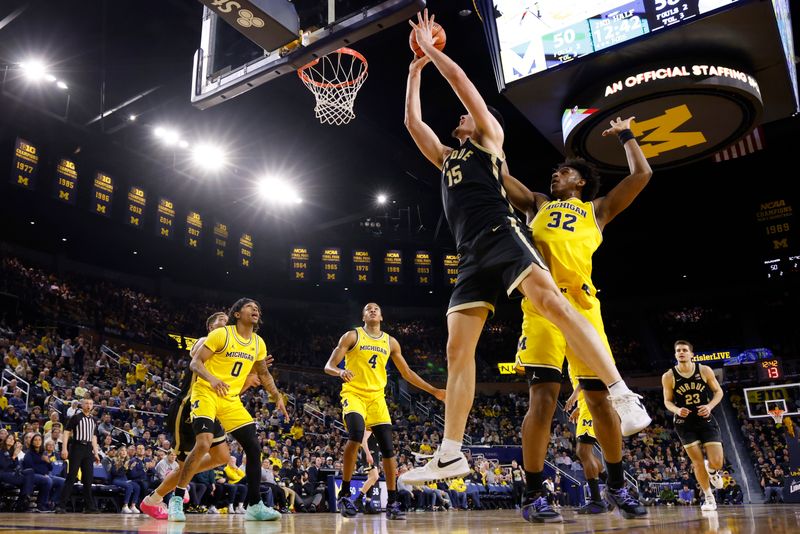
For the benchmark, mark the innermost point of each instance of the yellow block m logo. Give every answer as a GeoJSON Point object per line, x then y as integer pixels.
{"type": "Point", "coordinates": [663, 137]}
{"type": "Point", "coordinates": [780, 243]}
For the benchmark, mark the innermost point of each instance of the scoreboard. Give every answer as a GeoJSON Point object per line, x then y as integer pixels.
{"type": "Point", "coordinates": [536, 35]}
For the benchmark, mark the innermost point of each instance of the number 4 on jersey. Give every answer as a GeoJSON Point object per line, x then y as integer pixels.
{"type": "Point", "coordinates": [374, 361]}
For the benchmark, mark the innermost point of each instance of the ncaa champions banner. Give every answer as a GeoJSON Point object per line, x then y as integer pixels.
{"type": "Point", "coordinates": [194, 226]}
{"type": "Point", "coordinates": [331, 264]}
{"type": "Point", "coordinates": [298, 263]}
{"type": "Point", "coordinates": [166, 218]}
{"type": "Point", "coordinates": [393, 267]}
{"type": "Point", "coordinates": [137, 200]}
{"type": "Point", "coordinates": [66, 181]}
{"type": "Point", "coordinates": [362, 267]}
{"type": "Point", "coordinates": [220, 239]}
{"type": "Point", "coordinates": [26, 164]}
{"type": "Point", "coordinates": [450, 269]}
{"type": "Point", "coordinates": [423, 268]}
{"type": "Point", "coordinates": [245, 250]}
{"type": "Point", "coordinates": [102, 194]}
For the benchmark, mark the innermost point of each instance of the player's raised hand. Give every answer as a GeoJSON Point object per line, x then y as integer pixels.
{"type": "Point", "coordinates": [423, 28]}
{"type": "Point", "coordinates": [417, 64]}
{"type": "Point", "coordinates": [346, 375]}
{"type": "Point", "coordinates": [617, 125]}
{"type": "Point", "coordinates": [282, 407]}
{"type": "Point", "coordinates": [219, 386]}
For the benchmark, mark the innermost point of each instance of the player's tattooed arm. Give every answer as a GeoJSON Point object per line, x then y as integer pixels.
{"type": "Point", "coordinates": [268, 383]}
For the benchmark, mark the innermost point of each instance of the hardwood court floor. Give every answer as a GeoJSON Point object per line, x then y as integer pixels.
{"type": "Point", "coordinates": [755, 519]}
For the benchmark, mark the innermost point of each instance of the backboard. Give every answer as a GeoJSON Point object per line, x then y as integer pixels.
{"type": "Point", "coordinates": [760, 400]}
{"type": "Point", "coordinates": [228, 64]}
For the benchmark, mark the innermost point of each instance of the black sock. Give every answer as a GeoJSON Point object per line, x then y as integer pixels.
{"type": "Point", "coordinates": [594, 489]}
{"type": "Point", "coordinates": [392, 496]}
{"type": "Point", "coordinates": [616, 480]}
{"type": "Point", "coordinates": [533, 483]}
{"type": "Point", "coordinates": [180, 492]}
{"type": "Point", "coordinates": [345, 491]}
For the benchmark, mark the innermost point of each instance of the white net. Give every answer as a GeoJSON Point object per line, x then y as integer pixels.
{"type": "Point", "coordinates": [335, 80]}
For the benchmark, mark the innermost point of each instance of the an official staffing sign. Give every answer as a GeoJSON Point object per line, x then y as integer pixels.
{"type": "Point", "coordinates": [166, 218]}
{"type": "Point", "coordinates": [299, 259]}
{"type": "Point", "coordinates": [450, 269]}
{"type": "Point", "coordinates": [194, 228]}
{"type": "Point", "coordinates": [246, 250]}
{"type": "Point", "coordinates": [423, 268]}
{"type": "Point", "coordinates": [362, 267]}
{"type": "Point", "coordinates": [137, 200]}
{"type": "Point", "coordinates": [66, 181]}
{"type": "Point", "coordinates": [220, 239]}
{"type": "Point", "coordinates": [331, 264]}
{"type": "Point", "coordinates": [102, 194]}
{"type": "Point", "coordinates": [26, 164]}
{"type": "Point", "coordinates": [393, 267]}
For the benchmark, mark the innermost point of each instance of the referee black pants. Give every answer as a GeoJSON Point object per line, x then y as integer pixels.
{"type": "Point", "coordinates": [80, 457]}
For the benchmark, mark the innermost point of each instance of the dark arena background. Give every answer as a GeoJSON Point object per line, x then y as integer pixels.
{"type": "Point", "coordinates": [166, 158]}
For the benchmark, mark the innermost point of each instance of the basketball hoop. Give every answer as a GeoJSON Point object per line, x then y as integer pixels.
{"type": "Point", "coordinates": [777, 415]}
{"type": "Point", "coordinates": [335, 80]}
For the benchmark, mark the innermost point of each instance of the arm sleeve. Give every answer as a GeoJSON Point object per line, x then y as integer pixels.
{"type": "Point", "coordinates": [217, 340]}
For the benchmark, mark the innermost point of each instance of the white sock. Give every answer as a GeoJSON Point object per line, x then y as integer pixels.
{"type": "Point", "coordinates": [450, 446]}
{"type": "Point", "coordinates": [709, 494]}
{"type": "Point", "coordinates": [619, 388]}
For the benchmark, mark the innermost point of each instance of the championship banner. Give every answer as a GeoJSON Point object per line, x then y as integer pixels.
{"type": "Point", "coordinates": [166, 218]}
{"type": "Point", "coordinates": [25, 165]}
{"type": "Point", "coordinates": [102, 194]}
{"type": "Point", "coordinates": [776, 219]}
{"type": "Point", "coordinates": [66, 182]}
{"type": "Point", "coordinates": [423, 268]}
{"type": "Point", "coordinates": [362, 267]}
{"type": "Point", "coordinates": [450, 269]}
{"type": "Point", "coordinates": [331, 264]}
{"type": "Point", "coordinates": [137, 200]}
{"type": "Point", "coordinates": [393, 267]}
{"type": "Point", "coordinates": [194, 227]}
{"type": "Point", "coordinates": [245, 250]}
{"type": "Point", "coordinates": [220, 239]}
{"type": "Point", "coordinates": [298, 263]}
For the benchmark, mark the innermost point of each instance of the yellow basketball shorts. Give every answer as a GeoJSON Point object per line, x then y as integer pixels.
{"type": "Point", "coordinates": [371, 406]}
{"type": "Point", "coordinates": [229, 410]}
{"type": "Point", "coordinates": [543, 345]}
{"type": "Point", "coordinates": [585, 426]}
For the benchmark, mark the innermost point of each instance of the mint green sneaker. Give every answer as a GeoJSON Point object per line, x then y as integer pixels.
{"type": "Point", "coordinates": [260, 512]}
{"type": "Point", "coordinates": [176, 509]}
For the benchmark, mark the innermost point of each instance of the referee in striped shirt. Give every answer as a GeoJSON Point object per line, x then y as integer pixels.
{"type": "Point", "coordinates": [79, 446]}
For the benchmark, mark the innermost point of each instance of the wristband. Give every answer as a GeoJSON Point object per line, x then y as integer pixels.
{"type": "Point", "coordinates": [625, 136]}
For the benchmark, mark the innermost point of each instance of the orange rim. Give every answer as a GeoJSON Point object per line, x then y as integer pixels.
{"type": "Point", "coordinates": [326, 85]}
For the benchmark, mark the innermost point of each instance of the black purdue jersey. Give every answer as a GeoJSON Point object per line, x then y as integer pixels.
{"type": "Point", "coordinates": [690, 392]}
{"type": "Point", "coordinates": [472, 192]}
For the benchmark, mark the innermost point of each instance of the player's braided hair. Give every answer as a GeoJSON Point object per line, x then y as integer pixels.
{"type": "Point", "coordinates": [237, 307]}
{"type": "Point", "coordinates": [589, 174]}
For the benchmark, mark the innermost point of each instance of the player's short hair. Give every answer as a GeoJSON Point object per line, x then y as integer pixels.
{"type": "Point", "coordinates": [498, 117]}
{"type": "Point", "coordinates": [212, 318]}
{"type": "Point", "coordinates": [237, 307]}
{"type": "Point", "coordinates": [589, 174]}
{"type": "Point", "coordinates": [683, 342]}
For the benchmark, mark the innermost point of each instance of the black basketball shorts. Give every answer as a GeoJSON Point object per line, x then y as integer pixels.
{"type": "Point", "coordinates": [179, 421]}
{"type": "Point", "coordinates": [697, 431]}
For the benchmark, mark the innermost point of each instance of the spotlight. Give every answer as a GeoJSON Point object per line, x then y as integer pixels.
{"type": "Point", "coordinates": [278, 191]}
{"type": "Point", "coordinates": [64, 239]}
{"type": "Point", "coordinates": [183, 144]}
{"type": "Point", "coordinates": [169, 136]}
{"type": "Point", "coordinates": [208, 157]}
{"type": "Point", "coordinates": [135, 253]}
{"type": "Point", "coordinates": [49, 78]}
{"type": "Point", "coordinates": [34, 70]}
{"type": "Point", "coordinates": [61, 85]}
{"type": "Point", "coordinates": [131, 117]}
{"type": "Point", "coordinates": [381, 198]}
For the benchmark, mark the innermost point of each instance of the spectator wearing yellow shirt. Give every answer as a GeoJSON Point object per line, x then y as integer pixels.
{"type": "Point", "coordinates": [229, 494]}
{"type": "Point", "coordinates": [458, 493]}
{"type": "Point", "coordinates": [48, 426]}
{"type": "Point", "coordinates": [297, 431]}
{"type": "Point", "coordinates": [274, 460]}
{"type": "Point", "coordinates": [425, 447]}
{"type": "Point", "coordinates": [141, 372]}
{"type": "Point", "coordinates": [130, 378]}
{"type": "Point", "coordinates": [80, 391]}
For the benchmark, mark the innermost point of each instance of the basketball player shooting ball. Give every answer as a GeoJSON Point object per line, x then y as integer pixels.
{"type": "Point", "coordinates": [496, 254]}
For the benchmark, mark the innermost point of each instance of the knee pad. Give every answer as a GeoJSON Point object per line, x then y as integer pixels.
{"type": "Point", "coordinates": [355, 427]}
{"type": "Point", "coordinates": [383, 435]}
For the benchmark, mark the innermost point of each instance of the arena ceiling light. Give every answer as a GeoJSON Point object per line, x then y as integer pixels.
{"type": "Point", "coordinates": [381, 198]}
{"type": "Point", "coordinates": [36, 71]}
{"type": "Point", "coordinates": [208, 157]}
{"type": "Point", "coordinates": [278, 191]}
{"type": "Point", "coordinates": [169, 136]}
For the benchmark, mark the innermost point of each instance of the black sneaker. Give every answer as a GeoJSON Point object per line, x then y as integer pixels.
{"type": "Point", "coordinates": [395, 512]}
{"type": "Point", "coordinates": [346, 507]}
{"type": "Point", "coordinates": [358, 501]}
{"type": "Point", "coordinates": [629, 507]}
{"type": "Point", "coordinates": [594, 507]}
{"type": "Point", "coordinates": [539, 511]}
{"type": "Point", "coordinates": [60, 510]}
{"type": "Point", "coordinates": [370, 508]}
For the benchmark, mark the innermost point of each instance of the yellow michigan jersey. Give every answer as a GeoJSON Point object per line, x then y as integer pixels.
{"type": "Point", "coordinates": [367, 360]}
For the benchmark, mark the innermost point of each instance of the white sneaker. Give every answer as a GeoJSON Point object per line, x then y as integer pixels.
{"type": "Point", "coordinates": [440, 467]}
{"type": "Point", "coordinates": [126, 510]}
{"type": "Point", "coordinates": [715, 478]}
{"type": "Point", "coordinates": [212, 510]}
{"type": "Point", "coordinates": [632, 414]}
{"type": "Point", "coordinates": [710, 505]}
{"type": "Point", "coordinates": [240, 509]}
{"type": "Point", "coordinates": [230, 509]}
{"type": "Point", "coordinates": [135, 510]}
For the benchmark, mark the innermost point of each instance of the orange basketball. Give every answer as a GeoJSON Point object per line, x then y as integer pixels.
{"type": "Point", "coordinates": [439, 38]}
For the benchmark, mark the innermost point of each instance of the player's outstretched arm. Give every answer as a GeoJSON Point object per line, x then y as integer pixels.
{"type": "Point", "coordinates": [197, 366]}
{"type": "Point", "coordinates": [522, 198]}
{"type": "Point", "coordinates": [423, 135]}
{"type": "Point", "coordinates": [489, 132]}
{"type": "Point", "coordinates": [708, 375]}
{"type": "Point", "coordinates": [408, 374]}
{"type": "Point", "coordinates": [628, 189]}
{"type": "Point", "coordinates": [346, 342]}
